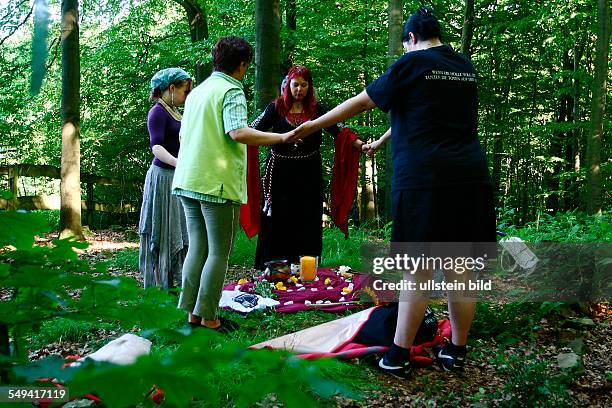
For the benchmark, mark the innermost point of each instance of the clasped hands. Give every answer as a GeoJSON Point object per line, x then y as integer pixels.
{"type": "Point", "coordinates": [297, 134]}
{"type": "Point", "coordinates": [307, 128]}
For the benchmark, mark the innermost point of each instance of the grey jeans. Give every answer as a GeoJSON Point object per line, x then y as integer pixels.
{"type": "Point", "coordinates": [211, 228]}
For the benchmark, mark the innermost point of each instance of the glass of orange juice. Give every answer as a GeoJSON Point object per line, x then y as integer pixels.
{"type": "Point", "coordinates": [308, 267]}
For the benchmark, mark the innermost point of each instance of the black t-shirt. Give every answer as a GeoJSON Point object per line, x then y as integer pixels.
{"type": "Point", "coordinates": [433, 101]}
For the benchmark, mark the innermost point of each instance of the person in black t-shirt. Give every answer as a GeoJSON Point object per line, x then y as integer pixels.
{"type": "Point", "coordinates": [441, 189]}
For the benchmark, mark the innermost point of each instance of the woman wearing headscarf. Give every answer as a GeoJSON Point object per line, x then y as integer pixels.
{"type": "Point", "coordinates": [293, 194]}
{"type": "Point", "coordinates": [163, 235]}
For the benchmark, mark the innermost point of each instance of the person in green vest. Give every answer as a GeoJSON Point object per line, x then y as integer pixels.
{"type": "Point", "coordinates": [210, 177]}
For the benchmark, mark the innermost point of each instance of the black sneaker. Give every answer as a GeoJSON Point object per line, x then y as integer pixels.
{"type": "Point", "coordinates": [450, 360]}
{"type": "Point", "coordinates": [401, 371]}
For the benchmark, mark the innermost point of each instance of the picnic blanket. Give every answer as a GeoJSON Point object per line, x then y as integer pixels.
{"type": "Point", "coordinates": [331, 286]}
{"type": "Point", "coordinates": [358, 335]}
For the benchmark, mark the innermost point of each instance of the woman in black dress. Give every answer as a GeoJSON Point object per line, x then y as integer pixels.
{"type": "Point", "coordinates": [291, 219]}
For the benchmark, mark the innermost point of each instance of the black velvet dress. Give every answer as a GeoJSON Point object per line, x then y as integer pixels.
{"type": "Point", "coordinates": [291, 219]}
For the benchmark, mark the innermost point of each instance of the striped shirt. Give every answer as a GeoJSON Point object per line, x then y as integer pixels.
{"type": "Point", "coordinates": [234, 105]}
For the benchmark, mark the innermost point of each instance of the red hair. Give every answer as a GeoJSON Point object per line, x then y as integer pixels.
{"type": "Point", "coordinates": [284, 102]}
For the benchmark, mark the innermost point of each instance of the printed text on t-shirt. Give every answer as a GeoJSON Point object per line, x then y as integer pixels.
{"type": "Point", "coordinates": [452, 76]}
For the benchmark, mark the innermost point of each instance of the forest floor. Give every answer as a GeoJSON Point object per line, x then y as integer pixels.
{"type": "Point", "coordinates": [516, 354]}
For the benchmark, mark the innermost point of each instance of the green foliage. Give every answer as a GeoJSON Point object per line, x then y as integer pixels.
{"type": "Point", "coordinates": [43, 281]}
{"type": "Point", "coordinates": [243, 253]}
{"type": "Point", "coordinates": [52, 217]}
{"type": "Point", "coordinates": [574, 256]}
{"type": "Point", "coordinates": [529, 382]}
{"type": "Point", "coordinates": [125, 260]}
{"type": "Point", "coordinates": [336, 250]}
{"type": "Point", "coordinates": [200, 368]}
{"type": "Point", "coordinates": [68, 330]}
{"type": "Point", "coordinates": [535, 63]}
{"type": "Point", "coordinates": [570, 227]}
{"type": "Point", "coordinates": [508, 323]}
{"type": "Point", "coordinates": [340, 251]}
{"type": "Point", "coordinates": [51, 288]}
{"type": "Point", "coordinates": [264, 289]}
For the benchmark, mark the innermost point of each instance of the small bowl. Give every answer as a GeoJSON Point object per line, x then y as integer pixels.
{"type": "Point", "coordinates": [277, 270]}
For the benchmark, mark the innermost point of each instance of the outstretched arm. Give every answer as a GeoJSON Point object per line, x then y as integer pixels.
{"type": "Point", "coordinates": [253, 137]}
{"type": "Point", "coordinates": [347, 109]}
{"type": "Point", "coordinates": [371, 148]}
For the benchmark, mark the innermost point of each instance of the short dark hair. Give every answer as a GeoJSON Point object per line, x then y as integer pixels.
{"type": "Point", "coordinates": [229, 52]}
{"type": "Point", "coordinates": [423, 24]}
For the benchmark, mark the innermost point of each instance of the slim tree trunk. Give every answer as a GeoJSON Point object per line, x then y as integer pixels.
{"type": "Point", "coordinates": [291, 15]}
{"type": "Point", "coordinates": [594, 199]}
{"type": "Point", "coordinates": [468, 28]}
{"type": "Point", "coordinates": [395, 21]}
{"type": "Point", "coordinates": [291, 23]}
{"type": "Point", "coordinates": [198, 29]}
{"type": "Point", "coordinates": [70, 187]}
{"type": "Point", "coordinates": [577, 150]}
{"type": "Point", "coordinates": [267, 51]}
{"type": "Point", "coordinates": [368, 202]}
{"type": "Point", "coordinates": [560, 138]}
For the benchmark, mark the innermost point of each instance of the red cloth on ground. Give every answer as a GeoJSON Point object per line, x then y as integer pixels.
{"type": "Point", "coordinates": [250, 212]}
{"type": "Point", "coordinates": [344, 178]}
{"type": "Point", "coordinates": [418, 354]}
{"type": "Point", "coordinates": [344, 185]}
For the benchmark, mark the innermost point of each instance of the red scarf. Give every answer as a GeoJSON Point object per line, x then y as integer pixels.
{"type": "Point", "coordinates": [344, 185]}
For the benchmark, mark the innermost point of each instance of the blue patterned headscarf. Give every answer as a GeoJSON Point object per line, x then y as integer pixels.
{"type": "Point", "coordinates": [162, 79]}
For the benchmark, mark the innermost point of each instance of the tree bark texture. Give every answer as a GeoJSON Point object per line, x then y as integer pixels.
{"type": "Point", "coordinates": [594, 193]}
{"type": "Point", "coordinates": [468, 28]}
{"type": "Point", "coordinates": [198, 30]}
{"type": "Point", "coordinates": [395, 20]}
{"type": "Point", "coordinates": [70, 186]}
{"type": "Point", "coordinates": [291, 23]}
{"type": "Point", "coordinates": [267, 51]}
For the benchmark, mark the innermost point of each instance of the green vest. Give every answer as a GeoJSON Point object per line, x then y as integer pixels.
{"type": "Point", "coordinates": [210, 161]}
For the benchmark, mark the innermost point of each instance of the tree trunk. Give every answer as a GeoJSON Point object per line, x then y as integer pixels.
{"type": "Point", "coordinates": [577, 149]}
{"type": "Point", "coordinates": [291, 22]}
{"type": "Point", "coordinates": [560, 139]}
{"type": "Point", "coordinates": [368, 202]}
{"type": "Point", "coordinates": [198, 29]}
{"type": "Point", "coordinates": [70, 187]}
{"type": "Point", "coordinates": [468, 28]}
{"type": "Point", "coordinates": [267, 51]}
{"type": "Point", "coordinates": [395, 21]}
{"type": "Point", "coordinates": [594, 198]}
{"type": "Point", "coordinates": [5, 351]}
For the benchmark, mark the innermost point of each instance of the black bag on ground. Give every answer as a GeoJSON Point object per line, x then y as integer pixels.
{"type": "Point", "coordinates": [379, 329]}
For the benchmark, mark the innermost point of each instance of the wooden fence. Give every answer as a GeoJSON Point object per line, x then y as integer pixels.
{"type": "Point", "coordinates": [52, 202]}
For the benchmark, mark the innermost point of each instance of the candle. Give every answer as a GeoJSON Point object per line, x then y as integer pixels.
{"type": "Point", "coordinates": [308, 268]}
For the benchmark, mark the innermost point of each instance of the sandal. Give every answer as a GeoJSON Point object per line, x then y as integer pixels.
{"type": "Point", "coordinates": [196, 323]}
{"type": "Point", "coordinates": [226, 326]}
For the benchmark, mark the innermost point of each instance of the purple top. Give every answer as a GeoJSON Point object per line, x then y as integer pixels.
{"type": "Point", "coordinates": [163, 131]}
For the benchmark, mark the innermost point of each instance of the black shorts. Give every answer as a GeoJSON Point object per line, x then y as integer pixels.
{"type": "Point", "coordinates": [464, 213]}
